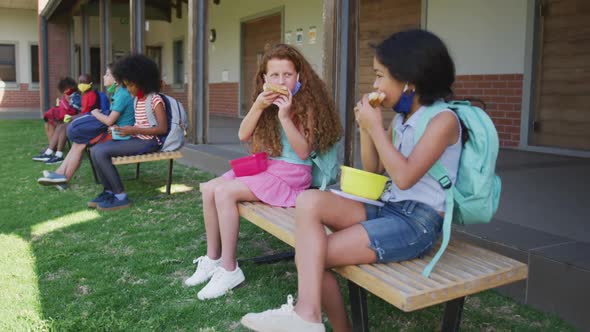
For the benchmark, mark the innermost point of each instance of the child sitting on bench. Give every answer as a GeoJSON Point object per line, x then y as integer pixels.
{"type": "Point", "coordinates": [288, 126]}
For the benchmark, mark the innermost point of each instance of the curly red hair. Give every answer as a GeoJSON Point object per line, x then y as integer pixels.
{"type": "Point", "coordinates": [312, 99]}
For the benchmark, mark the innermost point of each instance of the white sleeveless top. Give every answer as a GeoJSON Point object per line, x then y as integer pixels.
{"type": "Point", "coordinates": [427, 190]}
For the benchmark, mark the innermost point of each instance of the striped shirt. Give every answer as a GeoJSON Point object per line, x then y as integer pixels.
{"type": "Point", "coordinates": [141, 120]}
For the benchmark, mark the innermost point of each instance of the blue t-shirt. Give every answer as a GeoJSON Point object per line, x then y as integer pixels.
{"type": "Point", "coordinates": [122, 102]}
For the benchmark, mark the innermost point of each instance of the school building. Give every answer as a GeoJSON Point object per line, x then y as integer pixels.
{"type": "Point", "coordinates": [527, 60]}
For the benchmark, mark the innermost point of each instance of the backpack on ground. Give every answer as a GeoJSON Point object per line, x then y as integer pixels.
{"type": "Point", "coordinates": [474, 197]}
{"type": "Point", "coordinates": [325, 167]}
{"type": "Point", "coordinates": [177, 122]}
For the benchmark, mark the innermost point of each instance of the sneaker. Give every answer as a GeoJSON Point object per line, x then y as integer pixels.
{"type": "Point", "coordinates": [205, 268]}
{"type": "Point", "coordinates": [61, 186]}
{"type": "Point", "coordinates": [221, 282]}
{"type": "Point", "coordinates": [100, 198]}
{"type": "Point", "coordinates": [42, 157]}
{"type": "Point", "coordinates": [284, 319]}
{"type": "Point", "coordinates": [52, 179]}
{"type": "Point", "coordinates": [112, 203]}
{"type": "Point", "coordinates": [54, 160]}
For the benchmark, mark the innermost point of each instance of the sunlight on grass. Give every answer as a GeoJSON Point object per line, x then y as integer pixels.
{"type": "Point", "coordinates": [64, 221]}
{"type": "Point", "coordinates": [176, 188]}
{"type": "Point", "coordinates": [20, 306]}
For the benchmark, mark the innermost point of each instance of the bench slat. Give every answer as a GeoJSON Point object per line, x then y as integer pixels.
{"type": "Point", "coordinates": [156, 156]}
{"type": "Point", "coordinates": [464, 269]}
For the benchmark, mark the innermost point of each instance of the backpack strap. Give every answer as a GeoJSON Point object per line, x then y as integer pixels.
{"type": "Point", "coordinates": [441, 175]}
{"type": "Point", "coordinates": [315, 159]}
{"type": "Point", "coordinates": [149, 112]}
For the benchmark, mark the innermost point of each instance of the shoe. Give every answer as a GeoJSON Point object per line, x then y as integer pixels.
{"type": "Point", "coordinates": [284, 319]}
{"type": "Point", "coordinates": [46, 173]}
{"type": "Point", "coordinates": [54, 160]}
{"type": "Point", "coordinates": [61, 187]}
{"type": "Point", "coordinates": [112, 203]}
{"type": "Point", "coordinates": [100, 198]}
{"type": "Point", "coordinates": [221, 282]}
{"type": "Point", "coordinates": [42, 157]}
{"type": "Point", "coordinates": [52, 179]}
{"type": "Point", "coordinates": [205, 268]}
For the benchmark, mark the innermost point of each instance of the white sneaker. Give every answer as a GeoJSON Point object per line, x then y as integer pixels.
{"type": "Point", "coordinates": [284, 319]}
{"type": "Point", "coordinates": [221, 282]}
{"type": "Point", "coordinates": [205, 268]}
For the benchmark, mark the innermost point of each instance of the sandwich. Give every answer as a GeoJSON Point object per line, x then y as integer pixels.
{"type": "Point", "coordinates": [376, 98]}
{"type": "Point", "coordinates": [276, 88]}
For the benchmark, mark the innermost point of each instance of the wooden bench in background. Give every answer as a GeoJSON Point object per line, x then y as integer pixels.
{"type": "Point", "coordinates": [463, 270]}
{"type": "Point", "coordinates": [156, 156]}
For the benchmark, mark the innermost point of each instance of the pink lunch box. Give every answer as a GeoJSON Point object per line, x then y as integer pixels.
{"type": "Point", "coordinates": [250, 165]}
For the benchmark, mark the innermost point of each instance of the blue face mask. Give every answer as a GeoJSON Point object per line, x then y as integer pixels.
{"type": "Point", "coordinates": [296, 88]}
{"type": "Point", "coordinates": [404, 104]}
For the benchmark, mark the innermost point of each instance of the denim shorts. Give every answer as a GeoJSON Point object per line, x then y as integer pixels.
{"type": "Point", "coordinates": [403, 230]}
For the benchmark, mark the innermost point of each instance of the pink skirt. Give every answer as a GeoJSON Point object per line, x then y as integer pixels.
{"type": "Point", "coordinates": [279, 185]}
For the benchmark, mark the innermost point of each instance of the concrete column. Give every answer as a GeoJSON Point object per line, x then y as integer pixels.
{"type": "Point", "coordinates": [44, 61]}
{"type": "Point", "coordinates": [198, 80]}
{"type": "Point", "coordinates": [341, 19]}
{"type": "Point", "coordinates": [137, 25]}
{"type": "Point", "coordinates": [85, 47]}
{"type": "Point", "coordinates": [105, 36]}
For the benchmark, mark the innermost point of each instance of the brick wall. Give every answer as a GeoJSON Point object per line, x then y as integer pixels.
{"type": "Point", "coordinates": [58, 56]}
{"type": "Point", "coordinates": [179, 94]}
{"type": "Point", "coordinates": [21, 97]}
{"type": "Point", "coordinates": [503, 97]}
{"type": "Point", "coordinates": [224, 99]}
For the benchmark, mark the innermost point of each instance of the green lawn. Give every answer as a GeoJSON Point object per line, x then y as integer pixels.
{"type": "Point", "coordinates": [64, 267]}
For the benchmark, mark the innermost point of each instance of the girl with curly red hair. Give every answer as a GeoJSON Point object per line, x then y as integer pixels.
{"type": "Point", "coordinates": [288, 128]}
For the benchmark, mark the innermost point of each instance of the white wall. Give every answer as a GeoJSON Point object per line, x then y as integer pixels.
{"type": "Point", "coordinates": [484, 37]}
{"type": "Point", "coordinates": [164, 34]}
{"type": "Point", "coordinates": [19, 26]}
{"type": "Point", "coordinates": [225, 18]}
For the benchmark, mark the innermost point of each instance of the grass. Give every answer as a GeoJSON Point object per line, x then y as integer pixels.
{"type": "Point", "coordinates": [64, 267]}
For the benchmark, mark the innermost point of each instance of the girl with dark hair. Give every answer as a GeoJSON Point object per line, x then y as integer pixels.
{"type": "Point", "coordinates": [288, 127]}
{"type": "Point", "coordinates": [413, 69]}
{"type": "Point", "coordinates": [122, 114]}
{"type": "Point", "coordinates": [141, 76]}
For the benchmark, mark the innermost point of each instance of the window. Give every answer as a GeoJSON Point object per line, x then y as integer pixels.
{"type": "Point", "coordinates": [34, 64]}
{"type": "Point", "coordinates": [178, 62]}
{"type": "Point", "coordinates": [7, 62]}
{"type": "Point", "coordinates": [155, 53]}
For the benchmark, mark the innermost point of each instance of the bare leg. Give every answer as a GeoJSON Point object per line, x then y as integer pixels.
{"type": "Point", "coordinates": [333, 303]}
{"type": "Point", "coordinates": [210, 217]}
{"type": "Point", "coordinates": [316, 251]}
{"type": "Point", "coordinates": [227, 197]}
{"type": "Point", "coordinates": [54, 140]}
{"type": "Point", "coordinates": [72, 161]}
{"type": "Point", "coordinates": [62, 136]}
{"type": "Point", "coordinates": [49, 129]}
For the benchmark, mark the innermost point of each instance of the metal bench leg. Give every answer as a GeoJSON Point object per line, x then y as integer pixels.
{"type": "Point", "coordinates": [358, 306]}
{"type": "Point", "coordinates": [92, 166]}
{"type": "Point", "coordinates": [137, 171]}
{"type": "Point", "coordinates": [453, 313]}
{"type": "Point", "coordinates": [169, 184]}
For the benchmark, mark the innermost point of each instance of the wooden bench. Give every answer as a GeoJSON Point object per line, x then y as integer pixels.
{"type": "Point", "coordinates": [463, 269]}
{"type": "Point", "coordinates": [156, 156]}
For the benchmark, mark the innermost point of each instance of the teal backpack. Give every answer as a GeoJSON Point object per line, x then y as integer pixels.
{"type": "Point", "coordinates": [325, 168]}
{"type": "Point", "coordinates": [474, 197]}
